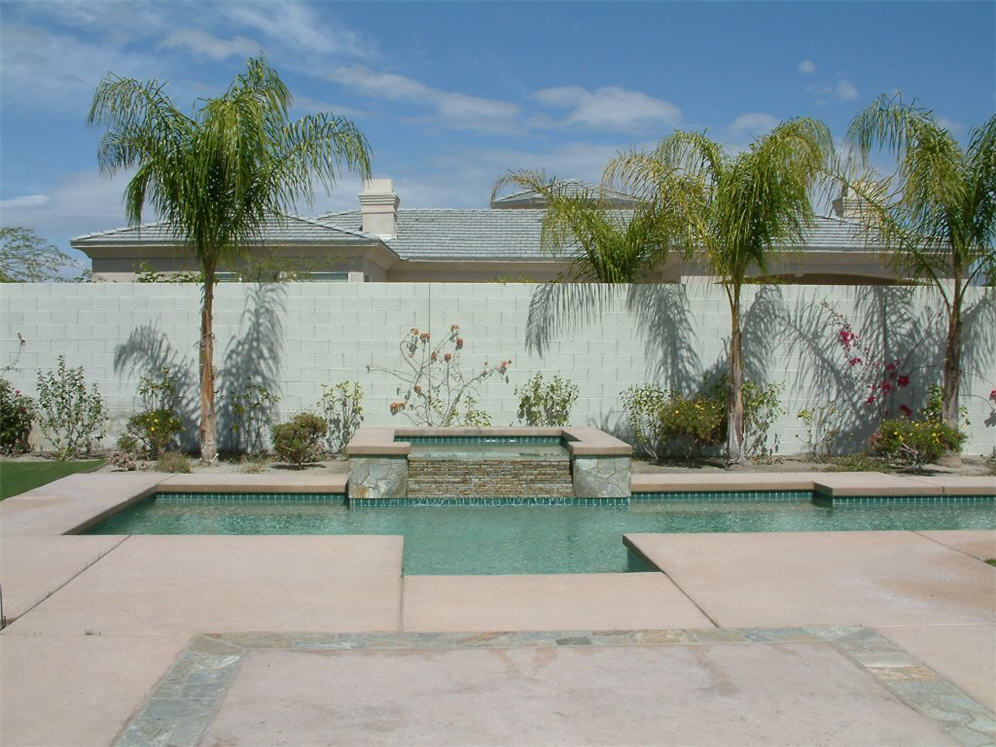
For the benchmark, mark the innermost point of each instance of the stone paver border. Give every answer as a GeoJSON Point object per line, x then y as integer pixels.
{"type": "Point", "coordinates": [181, 707]}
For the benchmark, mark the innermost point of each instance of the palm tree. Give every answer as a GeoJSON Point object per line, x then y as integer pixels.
{"type": "Point", "coordinates": [216, 177]}
{"type": "Point", "coordinates": [936, 215]}
{"type": "Point", "coordinates": [732, 211]}
{"type": "Point", "coordinates": [602, 243]}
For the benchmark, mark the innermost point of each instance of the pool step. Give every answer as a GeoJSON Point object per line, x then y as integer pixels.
{"type": "Point", "coordinates": [489, 478]}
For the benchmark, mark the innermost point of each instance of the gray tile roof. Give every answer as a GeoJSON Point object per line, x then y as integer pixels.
{"type": "Point", "coordinates": [277, 230]}
{"type": "Point", "coordinates": [529, 198]}
{"type": "Point", "coordinates": [481, 234]}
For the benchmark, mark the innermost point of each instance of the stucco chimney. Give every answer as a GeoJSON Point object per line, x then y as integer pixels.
{"type": "Point", "coordinates": [379, 208]}
{"type": "Point", "coordinates": [851, 206]}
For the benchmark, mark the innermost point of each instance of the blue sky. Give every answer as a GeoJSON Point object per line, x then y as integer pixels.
{"type": "Point", "coordinates": [452, 95]}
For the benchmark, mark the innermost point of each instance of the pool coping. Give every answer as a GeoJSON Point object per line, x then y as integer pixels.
{"type": "Point", "coordinates": [78, 502]}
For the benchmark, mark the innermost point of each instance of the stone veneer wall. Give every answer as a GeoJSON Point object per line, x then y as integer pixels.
{"type": "Point", "coordinates": [294, 337]}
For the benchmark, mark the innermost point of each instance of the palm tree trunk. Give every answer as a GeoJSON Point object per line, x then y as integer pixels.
{"type": "Point", "coordinates": [735, 402]}
{"type": "Point", "coordinates": [209, 449]}
{"type": "Point", "coordinates": [952, 364]}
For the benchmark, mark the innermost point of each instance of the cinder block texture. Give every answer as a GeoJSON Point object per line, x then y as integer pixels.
{"type": "Point", "coordinates": [294, 337]}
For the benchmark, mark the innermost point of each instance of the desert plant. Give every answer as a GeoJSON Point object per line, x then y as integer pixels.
{"type": "Point", "coordinates": [155, 429]}
{"type": "Point", "coordinates": [16, 413]}
{"type": "Point", "coordinates": [546, 403]}
{"type": "Point", "coordinates": [70, 416]}
{"type": "Point", "coordinates": [821, 430]}
{"type": "Point", "coordinates": [434, 389]}
{"type": "Point", "coordinates": [914, 443]}
{"type": "Point", "coordinates": [762, 406]}
{"type": "Point", "coordinates": [298, 442]}
{"type": "Point", "coordinates": [173, 461]}
{"type": "Point", "coordinates": [123, 460]}
{"type": "Point", "coordinates": [253, 407]}
{"type": "Point", "coordinates": [342, 407]}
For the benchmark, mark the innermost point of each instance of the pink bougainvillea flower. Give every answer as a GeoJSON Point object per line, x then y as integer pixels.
{"type": "Point", "coordinates": [891, 367]}
{"type": "Point", "coordinates": [905, 410]}
{"type": "Point", "coordinates": [903, 381]}
{"type": "Point", "coordinates": [886, 387]}
{"type": "Point", "coordinates": [992, 395]}
{"type": "Point", "coordinates": [870, 400]}
{"type": "Point", "coordinates": [854, 361]}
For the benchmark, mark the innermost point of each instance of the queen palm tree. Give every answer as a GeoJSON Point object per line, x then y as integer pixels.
{"type": "Point", "coordinates": [215, 177]}
{"type": "Point", "coordinates": [601, 243]}
{"type": "Point", "coordinates": [730, 211]}
{"type": "Point", "coordinates": [936, 216]}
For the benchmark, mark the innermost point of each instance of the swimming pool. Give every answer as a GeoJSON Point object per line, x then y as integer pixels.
{"type": "Point", "coordinates": [487, 540]}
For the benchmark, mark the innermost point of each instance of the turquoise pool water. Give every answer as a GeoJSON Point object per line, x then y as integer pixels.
{"type": "Point", "coordinates": [531, 539]}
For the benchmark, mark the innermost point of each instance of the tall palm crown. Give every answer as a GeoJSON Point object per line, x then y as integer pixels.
{"type": "Point", "coordinates": [217, 176]}
{"type": "Point", "coordinates": [730, 210]}
{"type": "Point", "coordinates": [601, 242]}
{"type": "Point", "coordinates": [936, 214]}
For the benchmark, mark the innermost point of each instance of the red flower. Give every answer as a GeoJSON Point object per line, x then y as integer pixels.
{"type": "Point", "coordinates": [903, 381]}
{"type": "Point", "coordinates": [992, 395]}
{"type": "Point", "coordinates": [846, 337]}
{"type": "Point", "coordinates": [905, 410]}
{"type": "Point", "coordinates": [886, 387]}
{"type": "Point", "coordinates": [891, 367]}
{"type": "Point", "coordinates": [854, 361]}
{"type": "Point", "coordinates": [870, 400]}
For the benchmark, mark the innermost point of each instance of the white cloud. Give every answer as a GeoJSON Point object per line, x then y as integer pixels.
{"type": "Point", "coordinates": [807, 67]}
{"type": "Point", "coordinates": [297, 27]}
{"type": "Point", "coordinates": [955, 128]}
{"type": "Point", "coordinates": [23, 201]}
{"type": "Point", "coordinates": [452, 110]}
{"type": "Point", "coordinates": [202, 43]}
{"type": "Point", "coordinates": [842, 90]}
{"type": "Point", "coordinates": [753, 124]}
{"type": "Point", "coordinates": [608, 108]}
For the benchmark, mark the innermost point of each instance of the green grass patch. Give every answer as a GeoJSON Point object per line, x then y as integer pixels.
{"type": "Point", "coordinates": [991, 561]}
{"type": "Point", "coordinates": [16, 477]}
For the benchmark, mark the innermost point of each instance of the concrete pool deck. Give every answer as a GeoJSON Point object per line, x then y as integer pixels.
{"type": "Point", "coordinates": [835, 638]}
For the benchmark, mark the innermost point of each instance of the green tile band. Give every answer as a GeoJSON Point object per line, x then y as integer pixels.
{"type": "Point", "coordinates": [337, 499]}
{"type": "Point", "coordinates": [724, 496]}
{"type": "Point", "coordinates": [477, 501]}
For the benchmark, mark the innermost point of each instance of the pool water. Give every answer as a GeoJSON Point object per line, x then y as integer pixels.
{"type": "Point", "coordinates": [530, 539]}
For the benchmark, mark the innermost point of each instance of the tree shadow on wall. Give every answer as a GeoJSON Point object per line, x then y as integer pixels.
{"type": "Point", "coordinates": [661, 312]}
{"type": "Point", "coordinates": [892, 326]}
{"type": "Point", "coordinates": [145, 353]}
{"type": "Point", "coordinates": [978, 357]}
{"type": "Point", "coordinates": [251, 365]}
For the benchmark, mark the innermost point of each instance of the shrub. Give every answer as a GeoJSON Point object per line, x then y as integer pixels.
{"type": "Point", "coordinates": [173, 461]}
{"type": "Point", "coordinates": [546, 403]}
{"type": "Point", "coordinates": [821, 430]}
{"type": "Point", "coordinates": [16, 412]}
{"type": "Point", "coordinates": [434, 389]}
{"type": "Point", "coordinates": [342, 406]}
{"type": "Point", "coordinates": [762, 406]}
{"type": "Point", "coordinates": [914, 443]}
{"type": "Point", "coordinates": [252, 414]}
{"type": "Point", "coordinates": [154, 429]}
{"type": "Point", "coordinates": [123, 460]}
{"type": "Point", "coordinates": [297, 442]}
{"type": "Point", "coordinates": [70, 416]}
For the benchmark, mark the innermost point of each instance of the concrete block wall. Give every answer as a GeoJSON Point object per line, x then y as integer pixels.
{"type": "Point", "coordinates": [296, 336]}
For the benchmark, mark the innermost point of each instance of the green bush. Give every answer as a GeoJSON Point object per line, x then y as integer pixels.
{"type": "Point", "coordinates": [914, 443]}
{"type": "Point", "coordinates": [298, 441]}
{"type": "Point", "coordinates": [154, 429]}
{"type": "Point", "coordinates": [546, 403]}
{"type": "Point", "coordinates": [342, 405]}
{"type": "Point", "coordinates": [70, 416]}
{"type": "Point", "coordinates": [16, 412]}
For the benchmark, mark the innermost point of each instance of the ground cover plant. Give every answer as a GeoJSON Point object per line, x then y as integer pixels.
{"type": "Point", "coordinates": [18, 476]}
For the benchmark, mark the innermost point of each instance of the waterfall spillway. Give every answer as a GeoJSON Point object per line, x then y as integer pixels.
{"type": "Point", "coordinates": [489, 478]}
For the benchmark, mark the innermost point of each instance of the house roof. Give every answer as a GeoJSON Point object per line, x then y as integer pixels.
{"type": "Point", "coordinates": [280, 230]}
{"type": "Point", "coordinates": [530, 198]}
{"type": "Point", "coordinates": [429, 234]}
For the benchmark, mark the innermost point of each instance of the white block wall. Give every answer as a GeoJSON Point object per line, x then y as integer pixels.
{"type": "Point", "coordinates": [298, 336]}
